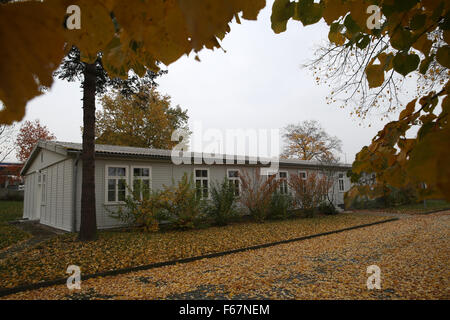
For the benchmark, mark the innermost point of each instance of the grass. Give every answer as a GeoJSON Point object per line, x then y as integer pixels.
{"type": "Point", "coordinates": [417, 208]}
{"type": "Point", "coordinates": [120, 249]}
{"type": "Point", "coordinates": [9, 234]}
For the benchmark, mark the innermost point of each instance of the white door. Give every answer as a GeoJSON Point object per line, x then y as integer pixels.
{"type": "Point", "coordinates": [37, 211]}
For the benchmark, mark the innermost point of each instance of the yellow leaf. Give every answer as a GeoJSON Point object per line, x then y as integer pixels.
{"type": "Point", "coordinates": [375, 75]}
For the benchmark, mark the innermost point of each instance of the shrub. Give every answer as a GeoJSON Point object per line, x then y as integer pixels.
{"type": "Point", "coordinates": [222, 206]}
{"type": "Point", "coordinates": [280, 205]}
{"type": "Point", "coordinates": [327, 208]}
{"type": "Point", "coordinates": [146, 213]}
{"type": "Point", "coordinates": [256, 194]}
{"type": "Point", "coordinates": [183, 205]}
{"type": "Point", "coordinates": [308, 191]}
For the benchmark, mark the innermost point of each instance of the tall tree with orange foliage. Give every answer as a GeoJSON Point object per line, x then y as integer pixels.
{"type": "Point", "coordinates": [29, 134]}
{"type": "Point", "coordinates": [145, 119]}
{"type": "Point", "coordinates": [309, 141]}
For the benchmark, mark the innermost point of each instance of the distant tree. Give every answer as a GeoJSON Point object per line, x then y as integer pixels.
{"type": "Point", "coordinates": [309, 141]}
{"type": "Point", "coordinates": [6, 138]}
{"type": "Point", "coordinates": [29, 134]}
{"type": "Point", "coordinates": [144, 119]}
{"type": "Point", "coordinates": [10, 174]}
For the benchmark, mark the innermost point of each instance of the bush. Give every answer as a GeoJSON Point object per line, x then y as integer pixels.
{"type": "Point", "coordinates": [222, 207]}
{"type": "Point", "coordinates": [256, 194]}
{"type": "Point", "coordinates": [309, 191]}
{"type": "Point", "coordinates": [183, 204]}
{"type": "Point", "coordinates": [280, 205]}
{"type": "Point", "coordinates": [327, 208]}
{"type": "Point", "coordinates": [146, 213]}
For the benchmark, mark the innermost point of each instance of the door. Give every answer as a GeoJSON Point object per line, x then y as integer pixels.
{"type": "Point", "coordinates": [37, 211]}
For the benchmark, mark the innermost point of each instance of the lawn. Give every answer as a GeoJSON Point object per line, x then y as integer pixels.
{"type": "Point", "coordinates": [417, 208]}
{"type": "Point", "coordinates": [9, 234]}
{"type": "Point", "coordinates": [120, 249]}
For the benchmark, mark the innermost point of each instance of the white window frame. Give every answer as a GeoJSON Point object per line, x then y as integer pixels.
{"type": "Point", "coordinates": [288, 190]}
{"type": "Point", "coordinates": [141, 177]}
{"type": "Point", "coordinates": [299, 172]}
{"type": "Point", "coordinates": [234, 178]}
{"type": "Point", "coordinates": [127, 181]}
{"type": "Point", "coordinates": [339, 182]}
{"type": "Point", "coordinates": [42, 183]}
{"type": "Point", "coordinates": [202, 178]}
{"type": "Point", "coordinates": [303, 171]}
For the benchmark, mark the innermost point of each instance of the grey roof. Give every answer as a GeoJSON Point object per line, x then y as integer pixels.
{"type": "Point", "coordinates": [67, 148]}
{"type": "Point", "coordinates": [110, 149]}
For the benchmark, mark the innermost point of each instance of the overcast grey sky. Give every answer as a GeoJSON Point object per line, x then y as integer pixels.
{"type": "Point", "coordinates": [258, 83]}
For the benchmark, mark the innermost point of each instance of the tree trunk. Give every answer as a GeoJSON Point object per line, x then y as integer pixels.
{"type": "Point", "coordinates": [88, 223]}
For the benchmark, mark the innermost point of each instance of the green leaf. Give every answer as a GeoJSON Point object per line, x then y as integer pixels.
{"type": "Point", "coordinates": [282, 11]}
{"type": "Point", "coordinates": [308, 12]}
{"type": "Point", "coordinates": [443, 56]}
{"type": "Point", "coordinates": [401, 39]}
{"type": "Point", "coordinates": [425, 64]}
{"type": "Point", "coordinates": [363, 42]}
{"type": "Point", "coordinates": [351, 25]}
{"type": "Point", "coordinates": [405, 63]}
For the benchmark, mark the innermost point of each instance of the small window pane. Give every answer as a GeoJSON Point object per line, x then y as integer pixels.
{"type": "Point", "coordinates": [137, 188]}
{"type": "Point", "coordinates": [204, 173]}
{"type": "Point", "coordinates": [121, 172]}
{"type": "Point", "coordinates": [111, 196]}
{"type": "Point", "coordinates": [137, 172]}
{"type": "Point", "coordinates": [205, 193]}
{"type": "Point", "coordinates": [146, 185]}
{"type": "Point", "coordinates": [233, 174]}
{"type": "Point", "coordinates": [205, 183]}
{"type": "Point", "coordinates": [145, 172]}
{"type": "Point", "coordinates": [121, 187]}
{"type": "Point", "coordinates": [198, 183]}
{"type": "Point", "coordinates": [112, 172]}
{"type": "Point", "coordinates": [111, 184]}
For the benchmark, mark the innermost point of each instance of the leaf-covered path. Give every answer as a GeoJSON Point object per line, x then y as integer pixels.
{"type": "Point", "coordinates": [413, 255]}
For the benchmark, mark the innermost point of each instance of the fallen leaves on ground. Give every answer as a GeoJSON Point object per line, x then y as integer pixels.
{"type": "Point", "coordinates": [9, 234]}
{"type": "Point", "coordinates": [412, 253]}
{"type": "Point", "coordinates": [115, 250]}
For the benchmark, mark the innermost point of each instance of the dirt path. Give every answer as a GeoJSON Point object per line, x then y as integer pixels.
{"type": "Point", "coordinates": [39, 233]}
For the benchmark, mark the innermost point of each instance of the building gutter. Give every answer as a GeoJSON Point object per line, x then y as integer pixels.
{"type": "Point", "coordinates": [74, 192]}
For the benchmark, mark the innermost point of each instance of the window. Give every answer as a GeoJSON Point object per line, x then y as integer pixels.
{"type": "Point", "coordinates": [341, 182]}
{"type": "Point", "coordinates": [283, 176]}
{"type": "Point", "coordinates": [116, 183]}
{"type": "Point", "coordinates": [202, 183]}
{"type": "Point", "coordinates": [43, 185]}
{"type": "Point", "coordinates": [303, 175]}
{"type": "Point", "coordinates": [233, 177]}
{"type": "Point", "coordinates": [141, 182]}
